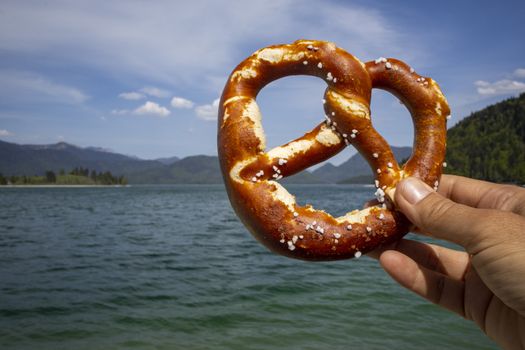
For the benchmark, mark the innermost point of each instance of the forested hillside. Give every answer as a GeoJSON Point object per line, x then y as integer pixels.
{"type": "Point", "coordinates": [490, 144]}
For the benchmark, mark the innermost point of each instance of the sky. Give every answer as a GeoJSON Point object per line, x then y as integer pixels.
{"type": "Point", "coordinates": [142, 78]}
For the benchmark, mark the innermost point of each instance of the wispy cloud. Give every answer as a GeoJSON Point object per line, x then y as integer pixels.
{"type": "Point", "coordinates": [153, 42]}
{"type": "Point", "coordinates": [131, 95]}
{"type": "Point", "coordinates": [519, 73]}
{"type": "Point", "coordinates": [120, 46]}
{"type": "Point", "coordinates": [5, 133]}
{"type": "Point", "coordinates": [181, 102]}
{"type": "Point", "coordinates": [500, 87]}
{"type": "Point", "coordinates": [152, 108]}
{"type": "Point", "coordinates": [155, 92]}
{"type": "Point", "coordinates": [208, 112]}
{"type": "Point", "coordinates": [370, 35]}
{"type": "Point", "coordinates": [512, 84]}
{"type": "Point", "coordinates": [23, 85]}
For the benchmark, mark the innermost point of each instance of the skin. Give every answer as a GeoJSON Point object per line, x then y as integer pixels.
{"type": "Point", "coordinates": [486, 282]}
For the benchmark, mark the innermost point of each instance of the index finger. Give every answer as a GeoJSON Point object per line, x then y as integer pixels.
{"type": "Point", "coordinates": [449, 262]}
{"type": "Point", "coordinates": [483, 194]}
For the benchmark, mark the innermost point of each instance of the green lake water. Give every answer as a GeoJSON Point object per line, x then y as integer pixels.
{"type": "Point", "coordinates": [171, 267]}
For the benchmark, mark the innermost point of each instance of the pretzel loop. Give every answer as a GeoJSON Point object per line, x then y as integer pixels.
{"type": "Point", "coordinates": [251, 174]}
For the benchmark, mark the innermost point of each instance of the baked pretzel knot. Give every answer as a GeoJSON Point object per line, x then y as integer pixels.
{"type": "Point", "coordinates": [251, 173]}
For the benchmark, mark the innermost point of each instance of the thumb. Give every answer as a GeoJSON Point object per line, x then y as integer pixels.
{"type": "Point", "coordinates": [440, 217]}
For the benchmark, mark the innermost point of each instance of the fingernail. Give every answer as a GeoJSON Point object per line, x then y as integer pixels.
{"type": "Point", "coordinates": [413, 190]}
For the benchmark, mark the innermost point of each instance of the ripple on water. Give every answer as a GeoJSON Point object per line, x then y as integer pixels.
{"type": "Point", "coordinates": [171, 267]}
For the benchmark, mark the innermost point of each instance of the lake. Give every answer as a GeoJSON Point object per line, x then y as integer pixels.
{"type": "Point", "coordinates": [171, 267]}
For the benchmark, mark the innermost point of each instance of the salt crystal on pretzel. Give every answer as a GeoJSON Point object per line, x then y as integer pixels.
{"type": "Point", "coordinates": [267, 209]}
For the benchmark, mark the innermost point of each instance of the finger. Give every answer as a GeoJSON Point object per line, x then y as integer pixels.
{"type": "Point", "coordinates": [431, 285]}
{"type": "Point", "coordinates": [483, 194]}
{"type": "Point", "coordinates": [477, 298]}
{"type": "Point", "coordinates": [442, 218]}
{"type": "Point", "coordinates": [449, 262]}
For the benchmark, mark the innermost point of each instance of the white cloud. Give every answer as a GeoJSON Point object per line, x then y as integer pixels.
{"type": "Point", "coordinates": [208, 112]}
{"type": "Point", "coordinates": [152, 108]}
{"type": "Point", "coordinates": [22, 85]}
{"type": "Point", "coordinates": [155, 92]}
{"type": "Point", "coordinates": [519, 73]}
{"type": "Point", "coordinates": [131, 95]}
{"type": "Point", "coordinates": [163, 42]}
{"type": "Point", "coordinates": [5, 133]}
{"type": "Point", "coordinates": [181, 102]}
{"type": "Point", "coordinates": [500, 87]}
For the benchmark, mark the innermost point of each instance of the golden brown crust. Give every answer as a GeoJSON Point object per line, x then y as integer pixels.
{"type": "Point", "coordinates": [251, 174]}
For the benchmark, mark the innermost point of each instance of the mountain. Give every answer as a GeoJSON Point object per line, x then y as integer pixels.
{"type": "Point", "coordinates": [190, 170]}
{"type": "Point", "coordinates": [198, 170]}
{"type": "Point", "coordinates": [168, 160]}
{"type": "Point", "coordinates": [490, 144]}
{"type": "Point", "coordinates": [304, 177]}
{"type": "Point", "coordinates": [18, 159]}
{"type": "Point", "coordinates": [36, 159]}
{"type": "Point", "coordinates": [356, 166]}
{"type": "Point", "coordinates": [206, 170]}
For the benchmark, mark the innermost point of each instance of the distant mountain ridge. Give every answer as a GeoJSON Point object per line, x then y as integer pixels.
{"type": "Point", "coordinates": [18, 159]}
{"type": "Point", "coordinates": [167, 160]}
{"type": "Point", "coordinates": [198, 169]}
{"type": "Point", "coordinates": [36, 159]}
{"type": "Point", "coordinates": [355, 167]}
{"type": "Point", "coordinates": [489, 144]}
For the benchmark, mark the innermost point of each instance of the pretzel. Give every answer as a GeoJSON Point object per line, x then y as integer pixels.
{"type": "Point", "coordinates": [250, 173]}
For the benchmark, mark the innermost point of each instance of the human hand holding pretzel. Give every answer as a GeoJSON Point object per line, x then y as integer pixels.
{"type": "Point", "coordinates": [251, 174]}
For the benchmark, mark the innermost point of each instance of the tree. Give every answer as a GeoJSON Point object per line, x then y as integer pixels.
{"type": "Point", "coordinates": [51, 177]}
{"type": "Point", "coordinates": [106, 178]}
{"type": "Point", "coordinates": [490, 144]}
{"type": "Point", "coordinates": [3, 180]}
{"type": "Point", "coordinates": [122, 180]}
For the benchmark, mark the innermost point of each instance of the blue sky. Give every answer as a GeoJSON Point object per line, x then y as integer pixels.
{"type": "Point", "coordinates": [141, 77]}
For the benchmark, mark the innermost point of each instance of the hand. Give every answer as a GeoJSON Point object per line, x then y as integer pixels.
{"type": "Point", "coordinates": [485, 284]}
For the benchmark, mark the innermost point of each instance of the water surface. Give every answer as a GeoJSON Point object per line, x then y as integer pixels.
{"type": "Point", "coordinates": [171, 267]}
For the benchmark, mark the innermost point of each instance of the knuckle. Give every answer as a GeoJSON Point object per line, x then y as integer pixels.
{"type": "Point", "coordinates": [514, 200]}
